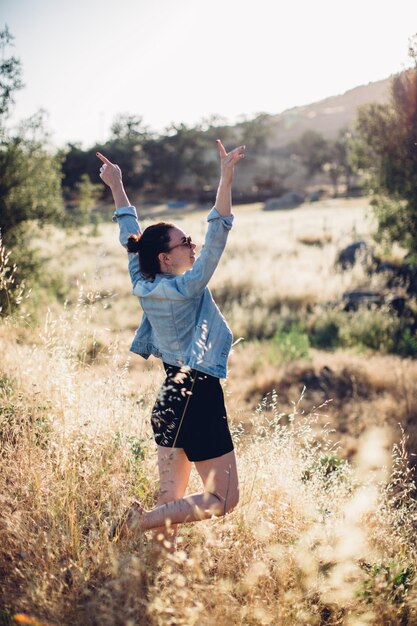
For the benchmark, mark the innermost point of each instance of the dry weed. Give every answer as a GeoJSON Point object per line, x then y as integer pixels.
{"type": "Point", "coordinates": [314, 539]}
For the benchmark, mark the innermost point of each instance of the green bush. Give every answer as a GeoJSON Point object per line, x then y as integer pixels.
{"type": "Point", "coordinates": [324, 333]}
{"type": "Point", "coordinates": [80, 212]}
{"type": "Point", "coordinates": [406, 344]}
{"type": "Point", "coordinates": [290, 344]}
{"type": "Point", "coordinates": [391, 581]}
{"type": "Point", "coordinates": [376, 329]}
{"type": "Point", "coordinates": [370, 328]}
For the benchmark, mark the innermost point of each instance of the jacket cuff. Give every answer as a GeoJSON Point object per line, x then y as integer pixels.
{"type": "Point", "coordinates": [124, 210]}
{"type": "Point", "coordinates": [226, 219]}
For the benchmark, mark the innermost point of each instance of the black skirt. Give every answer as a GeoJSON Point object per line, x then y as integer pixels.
{"type": "Point", "coordinates": [189, 413]}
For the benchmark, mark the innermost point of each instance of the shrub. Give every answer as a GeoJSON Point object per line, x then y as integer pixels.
{"type": "Point", "coordinates": [325, 330]}
{"type": "Point", "coordinates": [377, 329]}
{"type": "Point", "coordinates": [393, 578]}
{"type": "Point", "coordinates": [407, 343]}
{"type": "Point", "coordinates": [11, 289]}
{"type": "Point", "coordinates": [290, 344]}
{"type": "Point", "coordinates": [370, 328]}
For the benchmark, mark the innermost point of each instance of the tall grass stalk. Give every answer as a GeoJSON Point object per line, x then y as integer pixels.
{"type": "Point", "coordinates": [12, 293]}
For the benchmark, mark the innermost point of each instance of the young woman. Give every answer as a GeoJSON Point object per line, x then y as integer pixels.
{"type": "Point", "coordinates": [182, 326]}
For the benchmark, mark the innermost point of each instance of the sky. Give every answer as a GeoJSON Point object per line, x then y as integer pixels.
{"type": "Point", "coordinates": [183, 61]}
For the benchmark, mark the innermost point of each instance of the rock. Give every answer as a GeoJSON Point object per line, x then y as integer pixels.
{"type": "Point", "coordinates": [177, 204]}
{"type": "Point", "coordinates": [352, 300]}
{"type": "Point", "coordinates": [314, 196]}
{"type": "Point", "coordinates": [404, 275]}
{"type": "Point", "coordinates": [355, 191]}
{"type": "Point", "coordinates": [407, 275]}
{"type": "Point", "coordinates": [287, 201]}
{"type": "Point", "coordinates": [397, 304]}
{"type": "Point", "coordinates": [349, 255]}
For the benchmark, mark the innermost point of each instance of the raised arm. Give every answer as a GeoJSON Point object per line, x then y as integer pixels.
{"type": "Point", "coordinates": [125, 213]}
{"type": "Point", "coordinates": [228, 162]}
{"type": "Point", "coordinates": [220, 219]}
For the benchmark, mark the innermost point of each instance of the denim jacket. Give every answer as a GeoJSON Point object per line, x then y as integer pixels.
{"type": "Point", "coordinates": [181, 324]}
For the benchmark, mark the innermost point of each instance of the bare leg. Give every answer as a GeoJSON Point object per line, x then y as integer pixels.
{"type": "Point", "coordinates": [221, 494]}
{"type": "Point", "coordinates": [174, 473]}
{"type": "Point", "coordinates": [220, 478]}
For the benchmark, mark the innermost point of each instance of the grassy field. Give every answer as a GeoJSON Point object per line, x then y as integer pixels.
{"type": "Point", "coordinates": [325, 529]}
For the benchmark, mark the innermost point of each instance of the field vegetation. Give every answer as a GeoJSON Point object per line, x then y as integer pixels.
{"type": "Point", "coordinates": [323, 410]}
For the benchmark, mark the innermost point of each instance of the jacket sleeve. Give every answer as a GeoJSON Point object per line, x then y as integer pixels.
{"type": "Point", "coordinates": [127, 219]}
{"type": "Point", "coordinates": [193, 282]}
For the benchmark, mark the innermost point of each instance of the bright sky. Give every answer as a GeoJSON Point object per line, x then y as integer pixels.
{"type": "Point", "coordinates": [85, 61]}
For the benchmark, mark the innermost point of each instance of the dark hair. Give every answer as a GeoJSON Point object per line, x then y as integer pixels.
{"type": "Point", "coordinates": [154, 240]}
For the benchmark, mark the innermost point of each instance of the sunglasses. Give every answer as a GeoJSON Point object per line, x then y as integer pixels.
{"type": "Point", "coordinates": [187, 242]}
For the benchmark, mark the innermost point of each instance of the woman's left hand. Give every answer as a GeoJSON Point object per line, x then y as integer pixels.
{"type": "Point", "coordinates": [228, 160]}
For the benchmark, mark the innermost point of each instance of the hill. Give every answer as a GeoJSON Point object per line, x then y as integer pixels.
{"type": "Point", "coordinates": [326, 116]}
{"type": "Point", "coordinates": [270, 171]}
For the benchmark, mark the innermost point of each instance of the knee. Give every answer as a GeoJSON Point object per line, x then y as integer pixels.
{"type": "Point", "coordinates": [232, 501]}
{"type": "Point", "coordinates": [226, 504]}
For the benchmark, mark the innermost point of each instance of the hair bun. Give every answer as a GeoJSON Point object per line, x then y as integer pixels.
{"type": "Point", "coordinates": [133, 243]}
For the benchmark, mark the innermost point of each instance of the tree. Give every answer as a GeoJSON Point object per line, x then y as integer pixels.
{"type": "Point", "coordinates": [77, 162]}
{"type": "Point", "coordinates": [10, 74]}
{"type": "Point", "coordinates": [179, 153]}
{"type": "Point", "coordinates": [126, 148]}
{"type": "Point", "coordinates": [255, 132]}
{"type": "Point", "coordinates": [30, 180]}
{"type": "Point", "coordinates": [338, 163]}
{"type": "Point", "coordinates": [30, 190]}
{"type": "Point", "coordinates": [386, 148]}
{"type": "Point", "coordinates": [312, 150]}
{"type": "Point", "coordinates": [87, 194]}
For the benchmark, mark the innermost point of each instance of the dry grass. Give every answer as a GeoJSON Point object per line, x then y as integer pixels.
{"type": "Point", "coordinates": [301, 545]}
{"type": "Point", "coordinates": [360, 392]}
{"type": "Point", "coordinates": [264, 269]}
{"type": "Point", "coordinates": [324, 532]}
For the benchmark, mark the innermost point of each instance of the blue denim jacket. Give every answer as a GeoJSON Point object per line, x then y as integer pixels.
{"type": "Point", "coordinates": [181, 323]}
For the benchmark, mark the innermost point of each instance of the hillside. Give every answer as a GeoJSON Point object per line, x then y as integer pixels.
{"type": "Point", "coordinates": [326, 116]}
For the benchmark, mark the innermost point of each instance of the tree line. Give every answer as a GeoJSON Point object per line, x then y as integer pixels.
{"type": "Point", "coordinates": [181, 162]}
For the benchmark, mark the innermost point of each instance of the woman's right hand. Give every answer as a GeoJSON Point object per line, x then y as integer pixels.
{"type": "Point", "coordinates": [110, 173]}
{"type": "Point", "coordinates": [228, 161]}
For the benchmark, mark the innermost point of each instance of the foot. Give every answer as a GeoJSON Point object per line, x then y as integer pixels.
{"type": "Point", "coordinates": [128, 524]}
